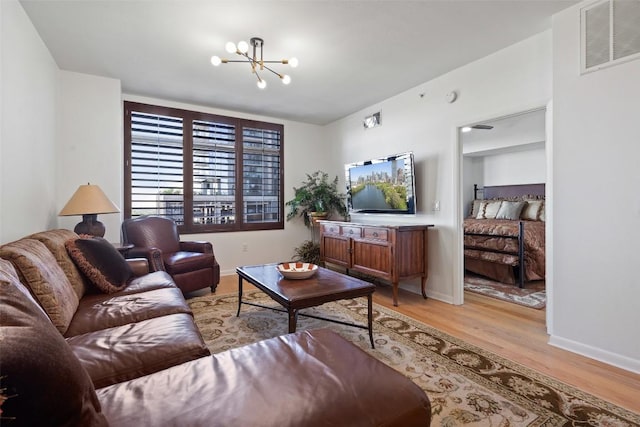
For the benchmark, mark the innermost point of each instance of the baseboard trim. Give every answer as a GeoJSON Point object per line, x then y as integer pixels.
{"type": "Point", "coordinates": [614, 359]}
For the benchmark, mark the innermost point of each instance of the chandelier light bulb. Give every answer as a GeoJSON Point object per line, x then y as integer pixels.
{"type": "Point", "coordinates": [259, 66]}
{"type": "Point", "coordinates": [230, 47]}
{"type": "Point", "coordinates": [243, 46]}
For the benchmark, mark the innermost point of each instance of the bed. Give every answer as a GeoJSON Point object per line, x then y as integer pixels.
{"type": "Point", "coordinates": [504, 233]}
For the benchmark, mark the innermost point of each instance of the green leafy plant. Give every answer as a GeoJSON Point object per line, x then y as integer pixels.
{"type": "Point", "coordinates": [316, 195]}
{"type": "Point", "coordinates": [308, 251]}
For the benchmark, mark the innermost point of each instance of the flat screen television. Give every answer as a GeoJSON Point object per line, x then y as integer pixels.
{"type": "Point", "coordinates": [382, 185]}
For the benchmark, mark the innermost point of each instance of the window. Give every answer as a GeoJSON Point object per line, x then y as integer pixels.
{"type": "Point", "coordinates": [209, 173]}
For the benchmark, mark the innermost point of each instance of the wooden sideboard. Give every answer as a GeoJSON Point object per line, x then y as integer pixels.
{"type": "Point", "coordinates": [390, 252]}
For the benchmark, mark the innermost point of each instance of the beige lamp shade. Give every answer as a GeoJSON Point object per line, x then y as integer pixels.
{"type": "Point", "coordinates": [89, 201]}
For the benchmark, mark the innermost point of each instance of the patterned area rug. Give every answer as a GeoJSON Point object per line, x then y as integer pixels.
{"type": "Point", "coordinates": [466, 385]}
{"type": "Point", "coordinates": [532, 295]}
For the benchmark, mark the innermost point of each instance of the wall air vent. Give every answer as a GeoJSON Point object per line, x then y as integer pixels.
{"type": "Point", "coordinates": [610, 33]}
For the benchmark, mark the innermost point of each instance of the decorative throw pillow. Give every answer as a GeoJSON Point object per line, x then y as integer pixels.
{"type": "Point", "coordinates": [100, 261]}
{"type": "Point", "coordinates": [42, 382]}
{"type": "Point", "coordinates": [489, 209]}
{"type": "Point", "coordinates": [54, 241]}
{"type": "Point", "coordinates": [510, 210]}
{"type": "Point", "coordinates": [39, 271]}
{"type": "Point", "coordinates": [531, 211]}
{"type": "Point", "coordinates": [475, 208]}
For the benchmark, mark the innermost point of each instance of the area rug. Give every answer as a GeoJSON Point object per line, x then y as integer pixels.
{"type": "Point", "coordinates": [466, 384]}
{"type": "Point", "coordinates": [532, 295]}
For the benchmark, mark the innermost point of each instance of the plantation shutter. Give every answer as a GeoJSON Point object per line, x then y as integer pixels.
{"type": "Point", "coordinates": [157, 166]}
{"type": "Point", "coordinates": [207, 172]}
{"type": "Point", "coordinates": [214, 172]}
{"type": "Point", "coordinates": [261, 175]}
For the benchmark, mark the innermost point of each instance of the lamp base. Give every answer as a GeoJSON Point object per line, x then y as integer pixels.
{"type": "Point", "coordinates": [90, 225]}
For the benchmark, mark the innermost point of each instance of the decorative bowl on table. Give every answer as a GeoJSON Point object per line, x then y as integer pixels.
{"type": "Point", "coordinates": [297, 270]}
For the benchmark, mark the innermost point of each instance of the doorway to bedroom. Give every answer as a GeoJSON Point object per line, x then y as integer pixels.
{"type": "Point", "coordinates": [504, 173]}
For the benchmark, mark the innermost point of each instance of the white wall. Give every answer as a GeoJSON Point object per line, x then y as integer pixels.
{"type": "Point", "coordinates": [512, 80]}
{"type": "Point", "coordinates": [510, 168]}
{"type": "Point", "coordinates": [519, 167]}
{"type": "Point", "coordinates": [305, 150]}
{"type": "Point", "coordinates": [597, 206]}
{"type": "Point", "coordinates": [89, 143]}
{"type": "Point", "coordinates": [27, 172]}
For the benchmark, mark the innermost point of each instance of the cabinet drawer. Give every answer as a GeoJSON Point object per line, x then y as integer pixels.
{"type": "Point", "coordinates": [376, 233]}
{"type": "Point", "coordinates": [330, 229]}
{"type": "Point", "coordinates": [349, 231]}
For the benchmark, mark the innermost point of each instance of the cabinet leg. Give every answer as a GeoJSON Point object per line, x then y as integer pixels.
{"type": "Point", "coordinates": [424, 282]}
{"type": "Point", "coordinates": [395, 294]}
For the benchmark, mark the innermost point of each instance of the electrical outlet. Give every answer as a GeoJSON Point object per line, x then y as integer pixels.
{"type": "Point", "coordinates": [436, 205]}
{"type": "Point", "coordinates": [245, 247]}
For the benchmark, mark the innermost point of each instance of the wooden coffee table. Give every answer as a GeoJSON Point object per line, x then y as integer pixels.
{"type": "Point", "coordinates": [294, 295]}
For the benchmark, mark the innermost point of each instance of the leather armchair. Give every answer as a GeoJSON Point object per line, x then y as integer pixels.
{"type": "Point", "coordinates": [191, 264]}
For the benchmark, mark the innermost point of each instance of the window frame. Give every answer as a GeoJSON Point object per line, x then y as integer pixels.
{"type": "Point", "coordinates": [188, 117]}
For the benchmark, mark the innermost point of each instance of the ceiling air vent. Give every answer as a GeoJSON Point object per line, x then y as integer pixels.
{"type": "Point", "coordinates": [610, 33]}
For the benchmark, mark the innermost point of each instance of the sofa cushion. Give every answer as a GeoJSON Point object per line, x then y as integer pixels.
{"type": "Point", "coordinates": [102, 311]}
{"type": "Point", "coordinates": [130, 351]}
{"type": "Point", "coordinates": [311, 378]}
{"type": "Point", "coordinates": [54, 241]}
{"type": "Point", "coordinates": [100, 261]}
{"type": "Point", "coordinates": [42, 381]}
{"type": "Point", "coordinates": [38, 269]}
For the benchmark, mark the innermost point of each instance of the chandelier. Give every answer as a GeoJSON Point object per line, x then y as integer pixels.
{"type": "Point", "coordinates": [256, 61]}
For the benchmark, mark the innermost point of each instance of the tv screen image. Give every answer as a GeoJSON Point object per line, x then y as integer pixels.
{"type": "Point", "coordinates": [383, 185]}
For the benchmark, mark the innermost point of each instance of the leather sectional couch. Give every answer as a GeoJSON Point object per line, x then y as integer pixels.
{"type": "Point", "coordinates": [72, 355]}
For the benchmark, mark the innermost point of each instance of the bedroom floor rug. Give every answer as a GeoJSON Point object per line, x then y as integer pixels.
{"type": "Point", "coordinates": [532, 295]}
{"type": "Point", "coordinates": [466, 384]}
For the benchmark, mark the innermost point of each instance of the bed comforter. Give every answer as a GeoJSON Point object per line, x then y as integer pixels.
{"type": "Point", "coordinates": [492, 248]}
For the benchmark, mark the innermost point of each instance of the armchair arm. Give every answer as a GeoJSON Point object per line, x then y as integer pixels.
{"type": "Point", "coordinates": [197, 246]}
{"type": "Point", "coordinates": [139, 266]}
{"type": "Point", "coordinates": [153, 256]}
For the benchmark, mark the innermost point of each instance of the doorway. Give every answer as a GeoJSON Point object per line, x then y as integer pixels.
{"type": "Point", "coordinates": [509, 151]}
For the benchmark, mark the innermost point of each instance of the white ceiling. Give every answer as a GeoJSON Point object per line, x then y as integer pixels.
{"type": "Point", "coordinates": [352, 54]}
{"type": "Point", "coordinates": [518, 132]}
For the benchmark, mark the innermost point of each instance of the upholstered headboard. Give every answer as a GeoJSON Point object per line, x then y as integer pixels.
{"type": "Point", "coordinates": [508, 191]}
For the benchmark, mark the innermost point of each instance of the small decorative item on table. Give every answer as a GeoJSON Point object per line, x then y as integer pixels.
{"type": "Point", "coordinates": [297, 270]}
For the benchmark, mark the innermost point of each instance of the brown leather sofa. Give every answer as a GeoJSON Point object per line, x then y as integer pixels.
{"type": "Point", "coordinates": [191, 264]}
{"type": "Point", "coordinates": [146, 327]}
{"type": "Point", "coordinates": [135, 358]}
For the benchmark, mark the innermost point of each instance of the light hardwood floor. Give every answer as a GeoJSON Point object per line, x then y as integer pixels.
{"type": "Point", "coordinates": [511, 331]}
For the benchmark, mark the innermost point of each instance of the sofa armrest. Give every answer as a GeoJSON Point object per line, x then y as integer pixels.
{"type": "Point", "coordinates": [153, 256]}
{"type": "Point", "coordinates": [139, 266]}
{"type": "Point", "coordinates": [197, 246]}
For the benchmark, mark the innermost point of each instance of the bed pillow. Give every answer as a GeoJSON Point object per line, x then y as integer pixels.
{"type": "Point", "coordinates": [100, 261]}
{"type": "Point", "coordinates": [489, 209]}
{"type": "Point", "coordinates": [475, 207]}
{"type": "Point", "coordinates": [531, 211]}
{"type": "Point", "coordinates": [510, 210]}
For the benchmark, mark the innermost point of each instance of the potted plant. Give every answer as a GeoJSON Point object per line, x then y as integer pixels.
{"type": "Point", "coordinates": [316, 198]}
